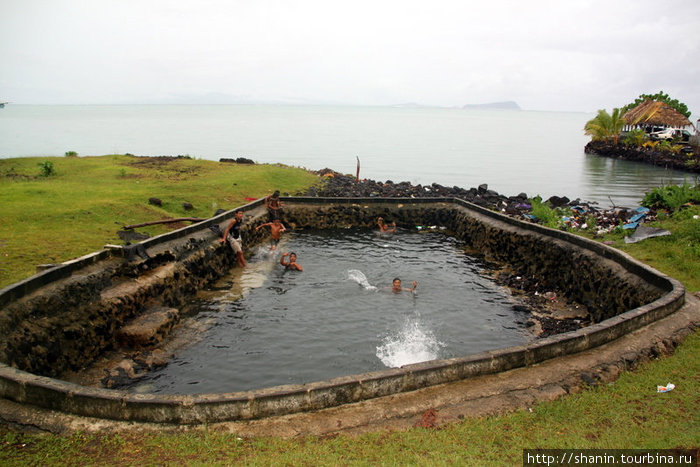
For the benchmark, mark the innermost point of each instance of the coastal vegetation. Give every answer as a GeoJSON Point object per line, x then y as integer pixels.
{"type": "Point", "coordinates": [660, 96]}
{"type": "Point", "coordinates": [672, 197]}
{"type": "Point", "coordinates": [677, 255]}
{"type": "Point", "coordinates": [89, 199]}
{"type": "Point", "coordinates": [643, 121]}
{"type": "Point", "coordinates": [605, 126]}
{"type": "Point", "coordinates": [547, 215]}
{"type": "Point", "coordinates": [677, 209]}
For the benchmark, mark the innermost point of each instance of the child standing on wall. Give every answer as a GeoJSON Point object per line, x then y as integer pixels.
{"type": "Point", "coordinates": [232, 234]}
{"type": "Point", "coordinates": [274, 205]}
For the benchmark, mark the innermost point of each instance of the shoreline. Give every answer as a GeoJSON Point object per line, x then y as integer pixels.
{"type": "Point", "coordinates": [687, 163]}
{"type": "Point", "coordinates": [518, 206]}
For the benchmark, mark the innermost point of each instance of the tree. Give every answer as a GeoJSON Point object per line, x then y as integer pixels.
{"type": "Point", "coordinates": [659, 97]}
{"type": "Point", "coordinates": [605, 126]}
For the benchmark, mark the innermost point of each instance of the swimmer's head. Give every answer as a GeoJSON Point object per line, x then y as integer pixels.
{"type": "Point", "coordinates": [292, 257]}
{"type": "Point", "coordinates": [396, 284]}
{"type": "Point", "coordinates": [276, 220]}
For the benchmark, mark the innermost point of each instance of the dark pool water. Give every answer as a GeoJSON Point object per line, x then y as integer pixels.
{"type": "Point", "coordinates": [267, 326]}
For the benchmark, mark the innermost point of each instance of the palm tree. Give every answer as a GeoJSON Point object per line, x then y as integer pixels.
{"type": "Point", "coordinates": [605, 126]}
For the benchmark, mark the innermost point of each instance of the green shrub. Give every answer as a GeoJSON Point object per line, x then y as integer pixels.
{"type": "Point", "coordinates": [635, 137]}
{"type": "Point", "coordinates": [667, 146]}
{"type": "Point", "coordinates": [71, 154]}
{"type": "Point", "coordinates": [671, 196]}
{"type": "Point", "coordinates": [546, 215]}
{"type": "Point", "coordinates": [46, 168]}
{"type": "Point", "coordinates": [591, 222]}
{"type": "Point", "coordinates": [664, 146]}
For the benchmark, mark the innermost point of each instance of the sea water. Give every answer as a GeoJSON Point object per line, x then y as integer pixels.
{"type": "Point", "coordinates": [538, 153]}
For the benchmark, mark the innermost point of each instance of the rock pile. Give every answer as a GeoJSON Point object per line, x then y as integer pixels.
{"type": "Point", "coordinates": [339, 185]}
{"type": "Point", "coordinates": [583, 215]}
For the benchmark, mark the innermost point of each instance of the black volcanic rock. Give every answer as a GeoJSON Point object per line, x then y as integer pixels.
{"type": "Point", "coordinates": [337, 185]}
{"type": "Point", "coordinates": [687, 161]}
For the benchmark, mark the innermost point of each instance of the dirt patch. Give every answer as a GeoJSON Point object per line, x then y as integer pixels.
{"type": "Point", "coordinates": [15, 176]}
{"type": "Point", "coordinates": [167, 164]}
{"type": "Point", "coordinates": [155, 161]}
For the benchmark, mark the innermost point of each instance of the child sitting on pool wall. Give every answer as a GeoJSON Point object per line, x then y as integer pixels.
{"type": "Point", "coordinates": [276, 229]}
{"type": "Point", "coordinates": [396, 286]}
{"type": "Point", "coordinates": [291, 263]}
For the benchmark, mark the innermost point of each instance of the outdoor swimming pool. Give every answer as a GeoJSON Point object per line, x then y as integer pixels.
{"type": "Point", "coordinates": [266, 326]}
{"type": "Point", "coordinates": [303, 327]}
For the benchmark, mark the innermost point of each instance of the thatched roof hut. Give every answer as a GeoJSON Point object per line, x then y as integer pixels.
{"type": "Point", "coordinates": [654, 113]}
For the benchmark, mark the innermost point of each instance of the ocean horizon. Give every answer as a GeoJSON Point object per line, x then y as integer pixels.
{"type": "Point", "coordinates": [512, 151]}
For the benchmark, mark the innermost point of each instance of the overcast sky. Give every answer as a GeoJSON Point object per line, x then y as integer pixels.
{"type": "Point", "coordinates": [569, 55]}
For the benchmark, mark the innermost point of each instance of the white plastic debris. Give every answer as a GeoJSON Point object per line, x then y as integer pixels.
{"type": "Point", "coordinates": [644, 232]}
{"type": "Point", "coordinates": [667, 388]}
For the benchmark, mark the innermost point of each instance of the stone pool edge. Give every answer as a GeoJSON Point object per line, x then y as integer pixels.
{"type": "Point", "coordinates": [40, 391]}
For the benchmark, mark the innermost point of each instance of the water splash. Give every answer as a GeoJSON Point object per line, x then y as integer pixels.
{"type": "Point", "coordinates": [360, 278]}
{"type": "Point", "coordinates": [412, 344]}
{"type": "Point", "coordinates": [264, 253]}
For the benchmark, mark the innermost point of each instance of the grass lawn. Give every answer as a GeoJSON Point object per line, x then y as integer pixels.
{"type": "Point", "coordinates": [678, 254]}
{"type": "Point", "coordinates": [80, 208]}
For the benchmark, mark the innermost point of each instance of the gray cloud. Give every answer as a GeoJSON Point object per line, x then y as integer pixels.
{"type": "Point", "coordinates": [546, 55]}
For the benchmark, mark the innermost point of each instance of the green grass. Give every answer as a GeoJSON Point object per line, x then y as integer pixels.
{"type": "Point", "coordinates": [677, 255]}
{"type": "Point", "coordinates": [80, 208]}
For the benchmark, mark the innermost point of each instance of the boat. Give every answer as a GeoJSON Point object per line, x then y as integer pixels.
{"type": "Point", "coordinates": [2, 104]}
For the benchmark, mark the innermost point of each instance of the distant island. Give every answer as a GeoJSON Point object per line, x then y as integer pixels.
{"type": "Point", "coordinates": [507, 105]}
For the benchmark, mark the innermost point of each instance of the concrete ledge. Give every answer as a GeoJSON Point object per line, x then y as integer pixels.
{"type": "Point", "coordinates": [488, 228]}
{"type": "Point", "coordinates": [61, 271]}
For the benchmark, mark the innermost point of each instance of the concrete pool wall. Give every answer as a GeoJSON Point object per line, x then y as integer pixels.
{"type": "Point", "coordinates": [63, 318]}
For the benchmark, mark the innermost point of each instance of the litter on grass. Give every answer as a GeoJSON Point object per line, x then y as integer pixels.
{"type": "Point", "coordinates": [667, 388]}
{"type": "Point", "coordinates": [643, 232]}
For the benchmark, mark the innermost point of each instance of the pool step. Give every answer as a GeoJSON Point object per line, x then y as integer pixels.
{"type": "Point", "coordinates": [149, 328]}
{"type": "Point", "coordinates": [140, 285]}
